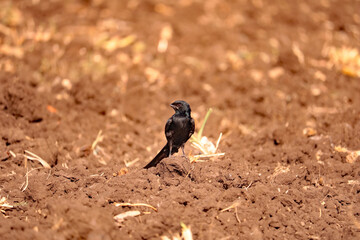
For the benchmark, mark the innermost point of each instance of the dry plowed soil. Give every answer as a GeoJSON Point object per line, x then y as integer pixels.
{"type": "Point", "coordinates": [86, 86]}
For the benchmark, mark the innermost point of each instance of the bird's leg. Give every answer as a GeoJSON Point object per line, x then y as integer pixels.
{"type": "Point", "coordinates": [170, 148]}
{"type": "Point", "coordinates": [182, 148]}
{"type": "Point", "coordinates": [183, 151]}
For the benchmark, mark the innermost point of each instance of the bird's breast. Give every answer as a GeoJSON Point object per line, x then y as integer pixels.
{"type": "Point", "coordinates": [181, 130]}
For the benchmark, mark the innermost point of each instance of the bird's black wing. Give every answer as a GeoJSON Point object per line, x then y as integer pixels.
{"type": "Point", "coordinates": [169, 132]}
{"type": "Point", "coordinates": [192, 130]}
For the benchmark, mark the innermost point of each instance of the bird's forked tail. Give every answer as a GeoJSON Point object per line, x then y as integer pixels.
{"type": "Point", "coordinates": [164, 152]}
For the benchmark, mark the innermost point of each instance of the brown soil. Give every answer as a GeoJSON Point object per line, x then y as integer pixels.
{"type": "Point", "coordinates": [70, 69]}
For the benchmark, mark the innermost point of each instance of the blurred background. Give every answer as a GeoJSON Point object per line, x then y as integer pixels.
{"type": "Point", "coordinates": [86, 85]}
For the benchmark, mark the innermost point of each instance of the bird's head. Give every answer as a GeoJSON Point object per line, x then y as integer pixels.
{"type": "Point", "coordinates": [181, 107]}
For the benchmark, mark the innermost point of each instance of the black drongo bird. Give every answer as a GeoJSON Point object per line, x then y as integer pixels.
{"type": "Point", "coordinates": [178, 130]}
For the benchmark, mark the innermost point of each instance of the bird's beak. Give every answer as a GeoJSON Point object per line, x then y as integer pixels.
{"type": "Point", "coordinates": [175, 107]}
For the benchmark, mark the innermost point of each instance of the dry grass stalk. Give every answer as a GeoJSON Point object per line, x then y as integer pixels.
{"type": "Point", "coordinates": [353, 182]}
{"type": "Point", "coordinates": [99, 151]}
{"type": "Point", "coordinates": [209, 155]}
{"type": "Point", "coordinates": [26, 183]}
{"type": "Point", "coordinates": [279, 170]}
{"type": "Point", "coordinates": [121, 217]}
{"type": "Point", "coordinates": [202, 143]}
{"type": "Point", "coordinates": [135, 205]}
{"type": "Point", "coordinates": [34, 157]}
{"type": "Point", "coordinates": [186, 234]}
{"type": "Point", "coordinates": [233, 206]}
{"type": "Point", "coordinates": [4, 205]}
{"type": "Point", "coordinates": [116, 42]}
{"type": "Point", "coordinates": [298, 53]}
{"type": "Point", "coordinates": [129, 164]}
{"type": "Point", "coordinates": [12, 154]}
{"type": "Point", "coordinates": [316, 111]}
{"type": "Point", "coordinates": [99, 138]}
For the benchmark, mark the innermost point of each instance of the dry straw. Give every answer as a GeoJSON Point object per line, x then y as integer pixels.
{"type": "Point", "coordinates": [207, 148]}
